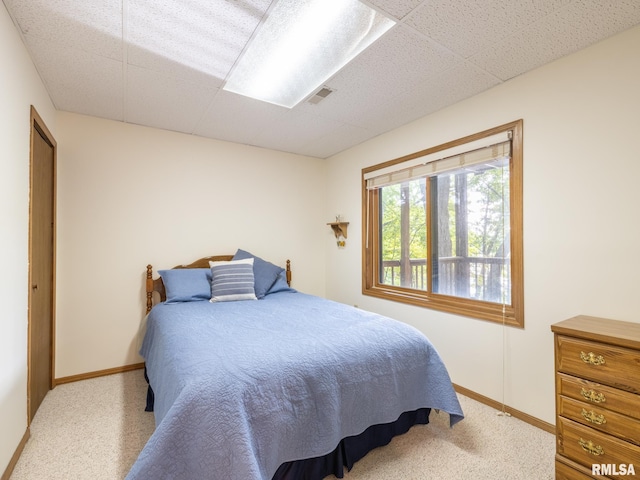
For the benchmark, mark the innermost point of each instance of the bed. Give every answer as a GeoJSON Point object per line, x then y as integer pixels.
{"type": "Point", "coordinates": [281, 386]}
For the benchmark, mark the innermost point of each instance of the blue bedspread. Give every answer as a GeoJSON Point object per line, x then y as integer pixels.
{"type": "Point", "coordinates": [241, 387]}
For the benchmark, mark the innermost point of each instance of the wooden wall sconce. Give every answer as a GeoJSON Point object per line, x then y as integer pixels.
{"type": "Point", "coordinates": [340, 231]}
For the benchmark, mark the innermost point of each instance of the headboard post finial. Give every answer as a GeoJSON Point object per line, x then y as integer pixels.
{"type": "Point", "coordinates": [149, 288]}
{"type": "Point", "coordinates": [289, 272]}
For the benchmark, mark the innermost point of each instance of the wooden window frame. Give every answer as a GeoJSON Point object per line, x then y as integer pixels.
{"type": "Point", "coordinates": [508, 314]}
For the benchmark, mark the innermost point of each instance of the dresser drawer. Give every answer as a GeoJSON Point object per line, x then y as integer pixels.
{"type": "Point", "coordinates": [599, 395]}
{"type": "Point", "coordinates": [587, 446]}
{"type": "Point", "coordinates": [565, 472]}
{"type": "Point", "coordinates": [600, 362]}
{"type": "Point", "coordinates": [613, 423]}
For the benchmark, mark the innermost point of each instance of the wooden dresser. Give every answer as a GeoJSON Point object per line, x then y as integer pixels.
{"type": "Point", "coordinates": [597, 365]}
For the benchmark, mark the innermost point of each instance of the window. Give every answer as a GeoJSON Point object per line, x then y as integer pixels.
{"type": "Point", "coordinates": [443, 227]}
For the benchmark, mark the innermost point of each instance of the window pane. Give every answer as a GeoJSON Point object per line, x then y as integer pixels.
{"type": "Point", "coordinates": [470, 212]}
{"type": "Point", "coordinates": [403, 235]}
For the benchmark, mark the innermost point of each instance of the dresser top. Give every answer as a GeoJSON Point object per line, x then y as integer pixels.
{"type": "Point", "coordinates": [626, 334]}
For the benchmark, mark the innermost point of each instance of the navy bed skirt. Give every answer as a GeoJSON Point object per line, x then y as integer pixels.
{"type": "Point", "coordinates": [348, 451]}
{"type": "Point", "coordinates": [351, 449]}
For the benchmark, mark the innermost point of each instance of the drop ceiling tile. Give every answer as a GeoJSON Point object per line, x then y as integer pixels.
{"type": "Point", "coordinates": [569, 30]}
{"type": "Point", "coordinates": [179, 37]}
{"type": "Point", "coordinates": [166, 66]}
{"type": "Point", "coordinates": [400, 58]}
{"type": "Point", "coordinates": [79, 81]}
{"type": "Point", "coordinates": [399, 61]}
{"type": "Point", "coordinates": [396, 8]}
{"type": "Point", "coordinates": [95, 27]}
{"type": "Point", "coordinates": [470, 27]}
{"type": "Point", "coordinates": [441, 90]}
{"type": "Point", "coordinates": [165, 102]}
{"type": "Point", "coordinates": [343, 136]}
{"type": "Point", "coordinates": [290, 132]}
{"type": "Point", "coordinates": [236, 118]}
{"type": "Point", "coordinates": [433, 93]}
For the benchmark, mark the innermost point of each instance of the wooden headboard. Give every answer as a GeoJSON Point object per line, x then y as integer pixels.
{"type": "Point", "coordinates": [156, 284]}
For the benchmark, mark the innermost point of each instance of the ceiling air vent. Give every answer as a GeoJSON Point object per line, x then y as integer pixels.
{"type": "Point", "coordinates": [320, 95]}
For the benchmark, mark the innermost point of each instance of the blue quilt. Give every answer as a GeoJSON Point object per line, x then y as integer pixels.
{"type": "Point", "coordinates": [242, 387]}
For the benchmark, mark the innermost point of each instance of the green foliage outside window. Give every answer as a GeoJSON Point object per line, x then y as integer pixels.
{"type": "Point", "coordinates": [478, 197]}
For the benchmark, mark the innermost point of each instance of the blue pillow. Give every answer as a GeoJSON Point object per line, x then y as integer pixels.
{"type": "Point", "coordinates": [232, 280]}
{"type": "Point", "coordinates": [265, 273]}
{"type": "Point", "coordinates": [281, 284]}
{"type": "Point", "coordinates": [186, 284]}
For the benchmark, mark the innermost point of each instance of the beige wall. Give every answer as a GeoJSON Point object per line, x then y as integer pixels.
{"type": "Point", "coordinates": [131, 195]}
{"type": "Point", "coordinates": [21, 88]}
{"type": "Point", "coordinates": [581, 228]}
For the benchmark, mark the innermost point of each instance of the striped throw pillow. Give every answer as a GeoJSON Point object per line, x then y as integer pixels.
{"type": "Point", "coordinates": [232, 280]}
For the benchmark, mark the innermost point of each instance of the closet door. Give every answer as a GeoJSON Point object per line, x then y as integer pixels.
{"type": "Point", "coordinates": [41, 266]}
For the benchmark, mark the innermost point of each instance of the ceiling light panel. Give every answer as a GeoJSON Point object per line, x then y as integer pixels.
{"type": "Point", "coordinates": [300, 45]}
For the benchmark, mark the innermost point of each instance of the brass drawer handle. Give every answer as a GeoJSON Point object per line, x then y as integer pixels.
{"type": "Point", "coordinates": [592, 359]}
{"type": "Point", "coordinates": [591, 448]}
{"type": "Point", "coordinates": [593, 417]}
{"type": "Point", "coordinates": [593, 396]}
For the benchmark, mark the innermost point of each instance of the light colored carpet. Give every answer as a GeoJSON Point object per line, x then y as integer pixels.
{"type": "Point", "coordinates": [94, 429]}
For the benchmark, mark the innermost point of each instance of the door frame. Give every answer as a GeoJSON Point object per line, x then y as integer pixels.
{"type": "Point", "coordinates": [38, 127]}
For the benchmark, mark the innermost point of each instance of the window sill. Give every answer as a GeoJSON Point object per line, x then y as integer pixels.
{"type": "Point", "coordinates": [492, 312]}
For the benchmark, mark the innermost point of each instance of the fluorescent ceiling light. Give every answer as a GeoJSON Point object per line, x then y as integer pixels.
{"type": "Point", "coordinates": [300, 45]}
